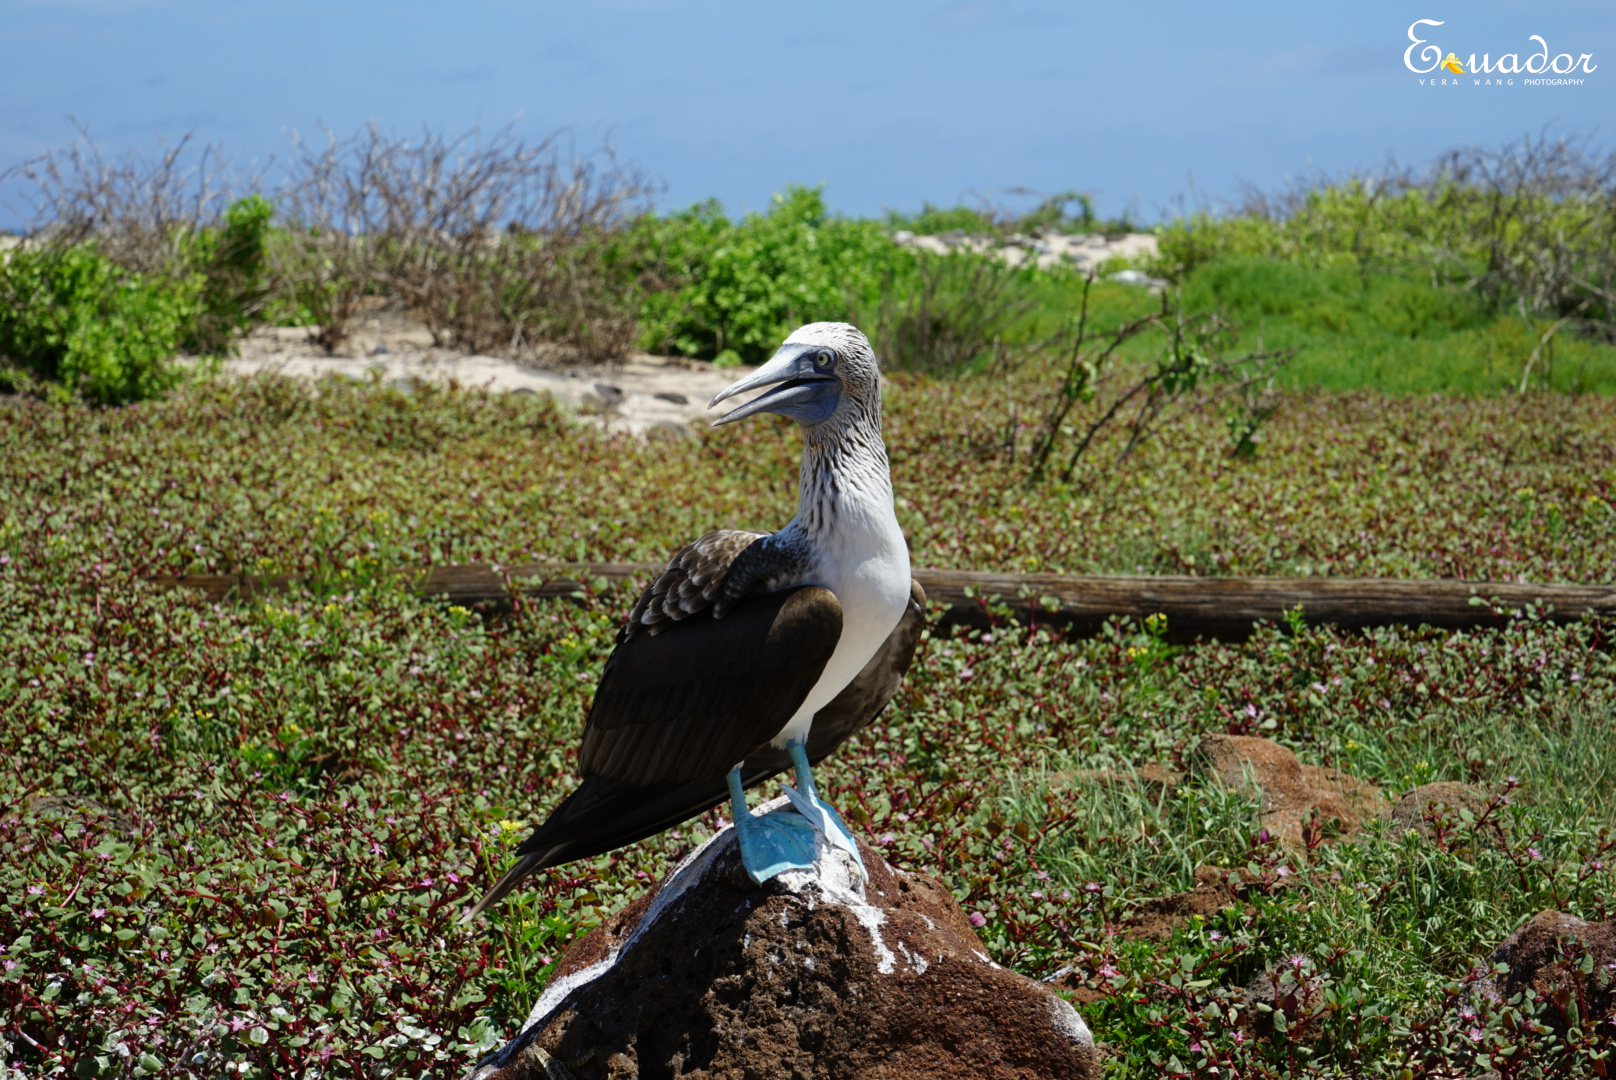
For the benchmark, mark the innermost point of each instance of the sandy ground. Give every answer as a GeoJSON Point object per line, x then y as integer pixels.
{"type": "Point", "coordinates": [650, 396]}
{"type": "Point", "coordinates": [647, 396]}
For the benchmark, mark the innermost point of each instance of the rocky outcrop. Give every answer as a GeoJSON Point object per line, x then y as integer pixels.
{"type": "Point", "coordinates": [812, 975]}
{"type": "Point", "coordinates": [1427, 807]}
{"type": "Point", "coordinates": [1301, 804]}
{"type": "Point", "coordinates": [1084, 251]}
{"type": "Point", "coordinates": [1545, 957]}
{"type": "Point", "coordinates": [1215, 889]}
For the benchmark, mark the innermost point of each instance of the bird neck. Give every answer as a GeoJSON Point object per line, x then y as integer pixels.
{"type": "Point", "coordinates": [846, 481]}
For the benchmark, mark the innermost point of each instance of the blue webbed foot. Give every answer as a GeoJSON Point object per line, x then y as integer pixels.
{"type": "Point", "coordinates": [805, 797]}
{"type": "Point", "coordinates": [770, 843]}
{"type": "Point", "coordinates": [823, 818]}
{"type": "Point", "coordinates": [785, 839]}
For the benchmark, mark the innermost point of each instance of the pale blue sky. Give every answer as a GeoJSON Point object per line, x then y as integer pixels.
{"type": "Point", "coordinates": [888, 104]}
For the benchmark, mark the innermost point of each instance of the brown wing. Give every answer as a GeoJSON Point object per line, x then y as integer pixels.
{"type": "Point", "coordinates": [690, 703]}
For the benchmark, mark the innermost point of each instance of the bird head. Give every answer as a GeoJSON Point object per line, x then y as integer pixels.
{"type": "Point", "coordinates": [824, 371]}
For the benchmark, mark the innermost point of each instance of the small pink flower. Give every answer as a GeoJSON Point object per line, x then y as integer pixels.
{"type": "Point", "coordinates": [8, 964]}
{"type": "Point", "coordinates": [1108, 972]}
{"type": "Point", "coordinates": [977, 919]}
{"type": "Point", "coordinates": [98, 913]}
{"type": "Point", "coordinates": [1534, 853]}
{"type": "Point", "coordinates": [36, 890]}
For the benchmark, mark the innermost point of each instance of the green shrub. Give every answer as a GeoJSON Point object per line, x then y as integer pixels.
{"type": "Point", "coordinates": [741, 288]}
{"type": "Point", "coordinates": [1527, 228]}
{"type": "Point", "coordinates": [948, 313]}
{"type": "Point", "coordinates": [1054, 213]}
{"type": "Point", "coordinates": [235, 275]}
{"type": "Point", "coordinates": [75, 319]}
{"type": "Point", "coordinates": [933, 220]}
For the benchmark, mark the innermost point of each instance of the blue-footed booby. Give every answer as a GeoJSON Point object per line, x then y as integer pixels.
{"type": "Point", "coordinates": [755, 652]}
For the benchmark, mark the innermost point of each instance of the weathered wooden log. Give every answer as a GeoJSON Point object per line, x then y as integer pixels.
{"type": "Point", "coordinates": [1223, 607]}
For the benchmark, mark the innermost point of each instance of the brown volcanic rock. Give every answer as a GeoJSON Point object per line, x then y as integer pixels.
{"type": "Point", "coordinates": [1300, 803]}
{"type": "Point", "coordinates": [1215, 889]}
{"type": "Point", "coordinates": [1543, 955]}
{"type": "Point", "coordinates": [812, 975]}
{"type": "Point", "coordinates": [1420, 808]}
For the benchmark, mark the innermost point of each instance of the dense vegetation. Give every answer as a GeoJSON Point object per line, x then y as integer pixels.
{"type": "Point", "coordinates": [236, 837]}
{"type": "Point", "coordinates": [1486, 271]}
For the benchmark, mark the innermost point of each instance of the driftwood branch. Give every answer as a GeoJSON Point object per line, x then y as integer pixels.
{"type": "Point", "coordinates": [1223, 607]}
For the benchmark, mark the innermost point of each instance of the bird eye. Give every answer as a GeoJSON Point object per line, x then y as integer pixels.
{"type": "Point", "coordinates": [824, 360]}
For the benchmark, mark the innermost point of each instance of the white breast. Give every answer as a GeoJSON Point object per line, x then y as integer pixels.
{"type": "Point", "coordinates": [865, 562]}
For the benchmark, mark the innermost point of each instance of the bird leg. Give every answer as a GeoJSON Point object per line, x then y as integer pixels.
{"type": "Point", "coordinates": [770, 843]}
{"type": "Point", "coordinates": [821, 814]}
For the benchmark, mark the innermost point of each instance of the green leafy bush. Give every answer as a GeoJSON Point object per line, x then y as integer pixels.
{"type": "Point", "coordinates": [75, 319]}
{"type": "Point", "coordinates": [741, 288]}
{"type": "Point", "coordinates": [1527, 228]}
{"type": "Point", "coordinates": [232, 259]}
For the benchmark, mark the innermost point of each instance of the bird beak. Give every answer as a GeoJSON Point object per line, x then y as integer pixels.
{"type": "Point", "coordinates": [798, 386]}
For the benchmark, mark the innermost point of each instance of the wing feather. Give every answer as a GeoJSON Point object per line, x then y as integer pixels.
{"type": "Point", "coordinates": [689, 703]}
